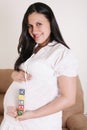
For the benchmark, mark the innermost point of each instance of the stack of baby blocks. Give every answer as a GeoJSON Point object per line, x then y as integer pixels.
{"type": "Point", "coordinates": [21, 101]}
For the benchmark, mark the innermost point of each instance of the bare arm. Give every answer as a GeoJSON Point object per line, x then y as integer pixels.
{"type": "Point", "coordinates": [67, 87]}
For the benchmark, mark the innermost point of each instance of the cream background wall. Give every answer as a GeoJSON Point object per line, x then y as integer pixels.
{"type": "Point", "coordinates": [72, 19]}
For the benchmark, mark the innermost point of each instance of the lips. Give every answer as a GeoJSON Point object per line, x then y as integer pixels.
{"type": "Point", "coordinates": [37, 36]}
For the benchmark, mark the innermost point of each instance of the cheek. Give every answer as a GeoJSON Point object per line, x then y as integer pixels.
{"type": "Point", "coordinates": [47, 31]}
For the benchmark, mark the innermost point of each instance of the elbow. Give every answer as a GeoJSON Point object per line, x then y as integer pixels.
{"type": "Point", "coordinates": [72, 102]}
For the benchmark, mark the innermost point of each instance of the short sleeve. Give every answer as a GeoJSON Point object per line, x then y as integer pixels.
{"type": "Point", "coordinates": [66, 65]}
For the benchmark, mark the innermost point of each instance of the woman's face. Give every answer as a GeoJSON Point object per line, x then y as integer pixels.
{"type": "Point", "coordinates": [39, 28]}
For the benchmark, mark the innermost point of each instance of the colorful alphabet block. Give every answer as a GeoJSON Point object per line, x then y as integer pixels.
{"type": "Point", "coordinates": [21, 101]}
{"type": "Point", "coordinates": [21, 97]}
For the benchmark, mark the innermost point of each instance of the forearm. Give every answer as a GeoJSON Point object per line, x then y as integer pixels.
{"type": "Point", "coordinates": [56, 105]}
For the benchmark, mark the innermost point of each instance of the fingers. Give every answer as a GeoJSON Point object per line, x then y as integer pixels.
{"type": "Point", "coordinates": [24, 76]}
{"type": "Point", "coordinates": [13, 114]}
{"type": "Point", "coordinates": [20, 118]}
{"type": "Point", "coordinates": [12, 111]}
{"type": "Point", "coordinates": [28, 76]}
{"type": "Point", "coordinates": [20, 76]}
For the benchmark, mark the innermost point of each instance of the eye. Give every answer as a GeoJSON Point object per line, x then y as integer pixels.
{"type": "Point", "coordinates": [39, 24]}
{"type": "Point", "coordinates": [29, 26]}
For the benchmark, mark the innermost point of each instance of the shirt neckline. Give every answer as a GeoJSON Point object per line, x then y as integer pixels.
{"type": "Point", "coordinates": [52, 43]}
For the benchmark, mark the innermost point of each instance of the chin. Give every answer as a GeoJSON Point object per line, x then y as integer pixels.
{"type": "Point", "coordinates": [39, 42]}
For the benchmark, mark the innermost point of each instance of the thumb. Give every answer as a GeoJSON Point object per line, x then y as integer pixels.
{"type": "Point", "coordinates": [20, 118]}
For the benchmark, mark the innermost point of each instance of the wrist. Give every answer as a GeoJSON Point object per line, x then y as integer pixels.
{"type": "Point", "coordinates": [30, 114]}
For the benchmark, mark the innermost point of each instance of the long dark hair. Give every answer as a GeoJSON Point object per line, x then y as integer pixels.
{"type": "Point", "coordinates": [26, 42]}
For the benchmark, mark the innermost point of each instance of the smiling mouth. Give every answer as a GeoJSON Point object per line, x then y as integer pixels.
{"type": "Point", "coordinates": [37, 36]}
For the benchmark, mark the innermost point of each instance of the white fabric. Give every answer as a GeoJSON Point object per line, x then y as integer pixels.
{"type": "Point", "coordinates": [50, 62]}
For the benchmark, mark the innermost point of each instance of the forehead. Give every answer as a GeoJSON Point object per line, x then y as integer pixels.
{"type": "Point", "coordinates": [36, 17]}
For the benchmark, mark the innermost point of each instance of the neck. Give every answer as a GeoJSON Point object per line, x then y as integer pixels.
{"type": "Point", "coordinates": [41, 46]}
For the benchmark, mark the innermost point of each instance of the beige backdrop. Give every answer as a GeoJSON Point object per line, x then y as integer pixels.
{"type": "Point", "coordinates": [72, 18]}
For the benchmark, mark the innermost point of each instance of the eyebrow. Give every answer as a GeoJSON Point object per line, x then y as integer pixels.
{"type": "Point", "coordinates": [35, 23]}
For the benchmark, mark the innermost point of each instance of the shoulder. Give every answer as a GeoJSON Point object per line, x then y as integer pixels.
{"type": "Point", "coordinates": [57, 46]}
{"type": "Point", "coordinates": [66, 62]}
{"type": "Point", "coordinates": [59, 49]}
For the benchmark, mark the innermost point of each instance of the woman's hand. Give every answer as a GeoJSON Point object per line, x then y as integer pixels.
{"type": "Point", "coordinates": [19, 76]}
{"type": "Point", "coordinates": [12, 111]}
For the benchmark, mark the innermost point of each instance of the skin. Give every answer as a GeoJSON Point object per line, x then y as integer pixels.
{"type": "Point", "coordinates": [39, 29]}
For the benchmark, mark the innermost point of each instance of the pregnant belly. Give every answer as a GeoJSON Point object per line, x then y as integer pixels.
{"type": "Point", "coordinates": [39, 93]}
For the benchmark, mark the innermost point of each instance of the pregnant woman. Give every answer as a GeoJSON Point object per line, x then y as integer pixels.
{"type": "Point", "coordinates": [46, 69]}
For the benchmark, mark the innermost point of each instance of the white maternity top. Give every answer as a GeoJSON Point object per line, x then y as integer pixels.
{"type": "Point", "coordinates": [45, 66]}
